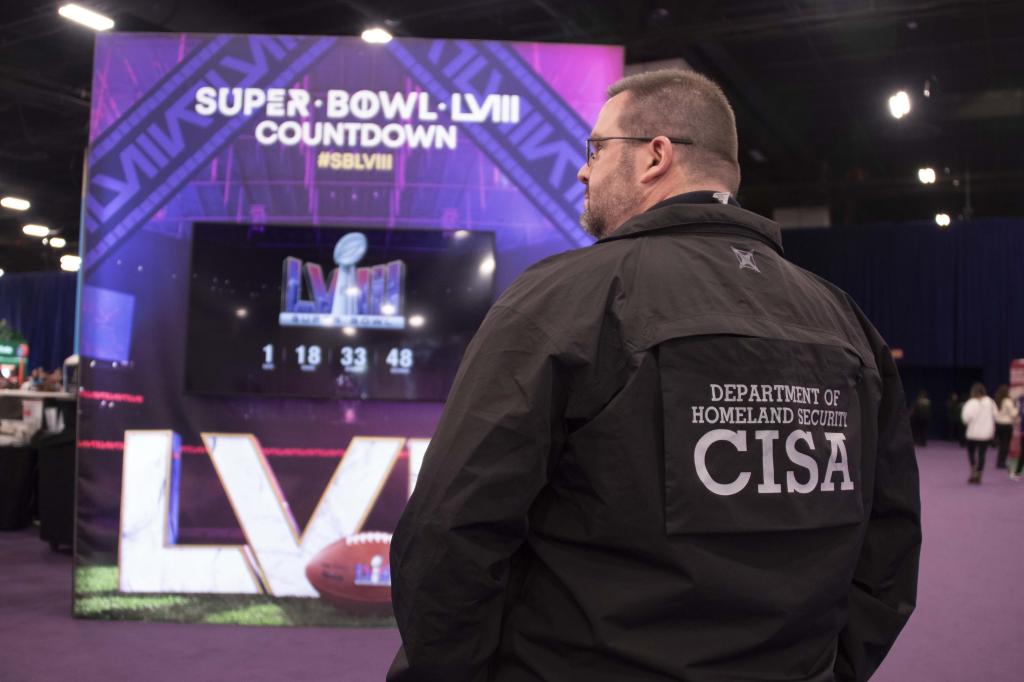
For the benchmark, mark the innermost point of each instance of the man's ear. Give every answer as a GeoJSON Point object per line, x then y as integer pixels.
{"type": "Point", "coordinates": [660, 157]}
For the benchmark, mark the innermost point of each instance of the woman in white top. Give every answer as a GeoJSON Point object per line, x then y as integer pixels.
{"type": "Point", "coordinates": [1006, 414]}
{"type": "Point", "coordinates": [979, 416]}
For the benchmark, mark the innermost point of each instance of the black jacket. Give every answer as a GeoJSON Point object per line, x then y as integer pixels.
{"type": "Point", "coordinates": [672, 455]}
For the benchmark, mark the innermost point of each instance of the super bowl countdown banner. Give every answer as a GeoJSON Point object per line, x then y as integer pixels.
{"type": "Point", "coordinates": [288, 243]}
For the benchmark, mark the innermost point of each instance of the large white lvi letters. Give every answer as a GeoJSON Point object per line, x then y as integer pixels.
{"type": "Point", "coordinates": [276, 555]}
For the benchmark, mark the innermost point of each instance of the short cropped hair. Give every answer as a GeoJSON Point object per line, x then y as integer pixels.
{"type": "Point", "coordinates": [684, 104]}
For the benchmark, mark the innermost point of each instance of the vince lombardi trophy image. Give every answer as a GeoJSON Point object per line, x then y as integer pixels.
{"type": "Point", "coordinates": [349, 250]}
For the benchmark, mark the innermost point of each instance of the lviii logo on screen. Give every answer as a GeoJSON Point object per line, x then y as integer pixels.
{"type": "Point", "coordinates": [369, 297]}
{"type": "Point", "coordinates": [276, 554]}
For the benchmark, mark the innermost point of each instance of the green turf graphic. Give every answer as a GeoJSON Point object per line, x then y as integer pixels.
{"type": "Point", "coordinates": [96, 596]}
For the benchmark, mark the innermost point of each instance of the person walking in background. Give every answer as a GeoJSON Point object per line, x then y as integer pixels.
{"type": "Point", "coordinates": [1006, 414]}
{"type": "Point", "coordinates": [920, 417]}
{"type": "Point", "coordinates": [953, 424]}
{"type": "Point", "coordinates": [979, 416]}
{"type": "Point", "coordinates": [1015, 472]}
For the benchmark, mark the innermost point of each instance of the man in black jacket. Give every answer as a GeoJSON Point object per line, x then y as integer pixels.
{"type": "Point", "coordinates": [672, 455]}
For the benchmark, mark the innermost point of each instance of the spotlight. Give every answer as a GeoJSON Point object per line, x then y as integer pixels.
{"type": "Point", "coordinates": [86, 17]}
{"type": "Point", "coordinates": [416, 321]}
{"type": "Point", "coordinates": [36, 230]}
{"type": "Point", "coordinates": [242, 313]}
{"type": "Point", "coordinates": [1, 272]}
{"type": "Point", "coordinates": [348, 331]}
{"type": "Point", "coordinates": [70, 263]}
{"type": "Point", "coordinates": [899, 104]}
{"type": "Point", "coordinates": [376, 35]}
{"type": "Point", "coordinates": [58, 242]}
{"type": "Point", "coordinates": [16, 204]}
{"type": "Point", "coordinates": [487, 266]}
{"type": "Point", "coordinates": [926, 175]}
{"type": "Point", "coordinates": [942, 219]}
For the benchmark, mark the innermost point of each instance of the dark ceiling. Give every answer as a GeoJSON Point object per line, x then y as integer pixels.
{"type": "Point", "coordinates": [809, 81]}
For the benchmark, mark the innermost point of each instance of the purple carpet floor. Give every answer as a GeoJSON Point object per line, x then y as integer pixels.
{"type": "Point", "coordinates": [970, 607]}
{"type": "Point", "coordinates": [967, 626]}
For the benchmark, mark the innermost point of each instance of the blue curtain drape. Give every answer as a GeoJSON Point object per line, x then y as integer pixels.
{"type": "Point", "coordinates": [41, 307]}
{"type": "Point", "coordinates": [952, 298]}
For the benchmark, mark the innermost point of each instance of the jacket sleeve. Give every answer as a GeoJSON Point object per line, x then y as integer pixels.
{"type": "Point", "coordinates": [884, 588]}
{"type": "Point", "coordinates": [489, 458]}
{"type": "Point", "coordinates": [967, 411]}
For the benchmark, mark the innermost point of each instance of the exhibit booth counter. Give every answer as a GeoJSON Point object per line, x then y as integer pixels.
{"type": "Point", "coordinates": [288, 243]}
{"type": "Point", "coordinates": [37, 462]}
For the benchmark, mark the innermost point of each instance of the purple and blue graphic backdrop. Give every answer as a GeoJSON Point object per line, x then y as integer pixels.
{"type": "Point", "coordinates": [320, 131]}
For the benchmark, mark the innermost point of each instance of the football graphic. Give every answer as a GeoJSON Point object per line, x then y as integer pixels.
{"type": "Point", "coordinates": [354, 573]}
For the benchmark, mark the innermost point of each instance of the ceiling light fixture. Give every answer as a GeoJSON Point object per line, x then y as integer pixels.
{"type": "Point", "coordinates": [376, 35]}
{"type": "Point", "coordinates": [16, 204]}
{"type": "Point", "coordinates": [942, 219]}
{"type": "Point", "coordinates": [58, 242]}
{"type": "Point", "coordinates": [70, 263]}
{"type": "Point", "coordinates": [899, 104]}
{"type": "Point", "coordinates": [36, 230]}
{"type": "Point", "coordinates": [926, 175]}
{"type": "Point", "coordinates": [86, 17]}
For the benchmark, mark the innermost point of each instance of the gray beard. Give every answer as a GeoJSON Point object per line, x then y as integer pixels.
{"type": "Point", "coordinates": [595, 220]}
{"type": "Point", "coordinates": [591, 224]}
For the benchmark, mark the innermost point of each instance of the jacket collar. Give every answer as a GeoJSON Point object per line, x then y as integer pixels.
{"type": "Point", "coordinates": [709, 217]}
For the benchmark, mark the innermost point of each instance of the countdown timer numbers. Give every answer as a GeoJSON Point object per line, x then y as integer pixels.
{"type": "Point", "coordinates": [400, 360]}
{"type": "Point", "coordinates": [354, 359]}
{"type": "Point", "coordinates": [309, 357]}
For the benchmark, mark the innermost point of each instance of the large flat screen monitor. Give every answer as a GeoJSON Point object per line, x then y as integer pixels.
{"type": "Point", "coordinates": [333, 312]}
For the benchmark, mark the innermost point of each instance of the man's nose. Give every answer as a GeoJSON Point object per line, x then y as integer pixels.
{"type": "Point", "coordinates": [583, 174]}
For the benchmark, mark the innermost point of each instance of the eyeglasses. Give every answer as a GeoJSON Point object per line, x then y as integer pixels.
{"type": "Point", "coordinates": [592, 152]}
